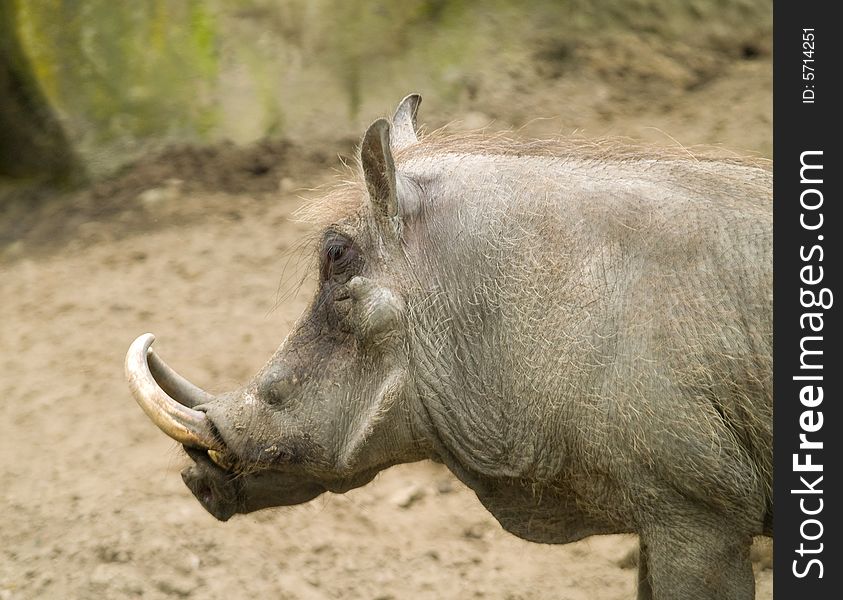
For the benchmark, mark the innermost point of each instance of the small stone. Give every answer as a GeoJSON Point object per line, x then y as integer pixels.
{"type": "Point", "coordinates": [629, 560]}
{"type": "Point", "coordinates": [158, 195]}
{"type": "Point", "coordinates": [152, 196]}
{"type": "Point", "coordinates": [408, 496]}
{"type": "Point", "coordinates": [475, 532]}
{"type": "Point", "coordinates": [193, 561]}
{"type": "Point", "coordinates": [176, 586]}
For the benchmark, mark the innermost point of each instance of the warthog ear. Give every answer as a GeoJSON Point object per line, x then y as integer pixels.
{"type": "Point", "coordinates": [404, 122]}
{"type": "Point", "coordinates": [379, 171]}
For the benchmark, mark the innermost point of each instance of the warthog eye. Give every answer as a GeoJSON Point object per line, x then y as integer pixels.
{"type": "Point", "coordinates": [336, 252]}
{"type": "Point", "coordinates": [339, 255]}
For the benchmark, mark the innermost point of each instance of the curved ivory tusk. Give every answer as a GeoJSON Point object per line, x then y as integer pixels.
{"type": "Point", "coordinates": [173, 384]}
{"type": "Point", "coordinates": [180, 422]}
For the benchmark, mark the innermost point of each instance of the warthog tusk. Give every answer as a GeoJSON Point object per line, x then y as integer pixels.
{"type": "Point", "coordinates": [219, 459]}
{"type": "Point", "coordinates": [177, 419]}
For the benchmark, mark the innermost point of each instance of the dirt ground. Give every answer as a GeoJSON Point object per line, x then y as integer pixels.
{"type": "Point", "coordinates": [199, 248]}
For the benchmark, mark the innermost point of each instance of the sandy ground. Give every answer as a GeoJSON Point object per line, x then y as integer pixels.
{"type": "Point", "coordinates": [91, 499]}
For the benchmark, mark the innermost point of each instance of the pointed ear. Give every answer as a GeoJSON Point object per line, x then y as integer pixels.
{"type": "Point", "coordinates": [379, 171]}
{"type": "Point", "coordinates": [404, 122]}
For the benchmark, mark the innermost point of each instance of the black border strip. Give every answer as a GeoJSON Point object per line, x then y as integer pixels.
{"type": "Point", "coordinates": [807, 232]}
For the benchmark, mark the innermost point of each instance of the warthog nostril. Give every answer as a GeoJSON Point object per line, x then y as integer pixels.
{"type": "Point", "coordinates": [281, 390]}
{"type": "Point", "coordinates": [206, 495]}
{"type": "Point", "coordinates": [279, 384]}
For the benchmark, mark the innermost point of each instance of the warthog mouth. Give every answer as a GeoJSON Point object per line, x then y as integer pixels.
{"type": "Point", "coordinates": [224, 493]}
{"type": "Point", "coordinates": [221, 483]}
{"type": "Point", "coordinates": [176, 406]}
{"type": "Point", "coordinates": [219, 491]}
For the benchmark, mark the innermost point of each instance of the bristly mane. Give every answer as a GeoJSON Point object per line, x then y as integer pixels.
{"type": "Point", "coordinates": [614, 149]}
{"type": "Point", "coordinates": [343, 199]}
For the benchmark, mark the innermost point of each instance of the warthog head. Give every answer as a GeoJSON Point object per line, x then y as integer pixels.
{"type": "Point", "coordinates": [329, 410]}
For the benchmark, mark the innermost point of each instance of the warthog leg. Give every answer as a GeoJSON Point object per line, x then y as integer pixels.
{"type": "Point", "coordinates": [694, 558]}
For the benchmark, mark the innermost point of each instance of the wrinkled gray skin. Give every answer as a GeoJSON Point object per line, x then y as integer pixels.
{"type": "Point", "coordinates": [585, 342]}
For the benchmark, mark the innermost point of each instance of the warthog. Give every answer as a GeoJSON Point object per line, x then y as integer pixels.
{"type": "Point", "coordinates": [581, 333]}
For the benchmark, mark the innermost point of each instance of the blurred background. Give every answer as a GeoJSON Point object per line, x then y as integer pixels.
{"type": "Point", "coordinates": [151, 156]}
{"type": "Point", "coordinates": [111, 80]}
